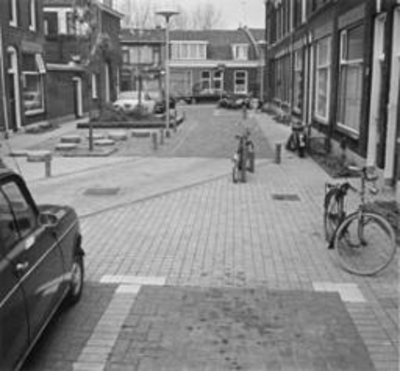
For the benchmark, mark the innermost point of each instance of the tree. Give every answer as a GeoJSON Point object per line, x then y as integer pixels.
{"type": "Point", "coordinates": [205, 17]}
{"type": "Point", "coordinates": [141, 14]}
{"type": "Point", "coordinates": [93, 46]}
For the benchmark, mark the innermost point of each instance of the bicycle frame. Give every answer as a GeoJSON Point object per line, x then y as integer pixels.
{"type": "Point", "coordinates": [342, 190]}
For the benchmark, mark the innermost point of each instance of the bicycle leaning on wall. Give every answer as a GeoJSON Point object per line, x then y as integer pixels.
{"type": "Point", "coordinates": [364, 240]}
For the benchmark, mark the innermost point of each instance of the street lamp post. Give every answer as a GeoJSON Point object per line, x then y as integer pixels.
{"type": "Point", "coordinates": [167, 14]}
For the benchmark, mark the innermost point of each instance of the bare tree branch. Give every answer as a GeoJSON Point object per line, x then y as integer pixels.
{"type": "Point", "coordinates": [142, 14]}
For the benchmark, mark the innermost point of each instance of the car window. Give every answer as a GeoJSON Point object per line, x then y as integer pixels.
{"type": "Point", "coordinates": [8, 229]}
{"type": "Point", "coordinates": [25, 217]}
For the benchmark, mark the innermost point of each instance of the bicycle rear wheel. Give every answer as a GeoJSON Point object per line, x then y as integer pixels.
{"type": "Point", "coordinates": [365, 244]}
{"type": "Point", "coordinates": [333, 213]}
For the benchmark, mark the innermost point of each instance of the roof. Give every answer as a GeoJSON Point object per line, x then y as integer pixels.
{"type": "Point", "coordinates": [219, 42]}
{"type": "Point", "coordinates": [143, 36]}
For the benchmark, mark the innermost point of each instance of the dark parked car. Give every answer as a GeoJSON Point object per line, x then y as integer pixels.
{"type": "Point", "coordinates": [235, 101]}
{"type": "Point", "coordinates": [41, 266]}
{"type": "Point", "coordinates": [159, 97]}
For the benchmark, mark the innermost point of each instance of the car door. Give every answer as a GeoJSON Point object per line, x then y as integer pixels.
{"type": "Point", "coordinates": [13, 316]}
{"type": "Point", "coordinates": [38, 257]}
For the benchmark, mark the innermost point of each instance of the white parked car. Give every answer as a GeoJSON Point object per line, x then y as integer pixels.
{"type": "Point", "coordinates": [128, 100]}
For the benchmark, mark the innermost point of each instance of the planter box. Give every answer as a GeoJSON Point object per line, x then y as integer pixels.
{"type": "Point", "coordinates": [151, 124]}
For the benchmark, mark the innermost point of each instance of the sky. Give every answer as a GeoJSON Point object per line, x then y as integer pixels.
{"type": "Point", "coordinates": [234, 13]}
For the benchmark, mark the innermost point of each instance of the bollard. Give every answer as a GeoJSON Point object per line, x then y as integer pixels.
{"type": "Point", "coordinates": [47, 165]}
{"type": "Point", "coordinates": [154, 138]}
{"type": "Point", "coordinates": [161, 136]}
{"type": "Point", "coordinates": [278, 150]}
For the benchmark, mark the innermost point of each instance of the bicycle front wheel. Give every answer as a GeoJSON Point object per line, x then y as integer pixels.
{"type": "Point", "coordinates": [365, 244]}
{"type": "Point", "coordinates": [333, 214]}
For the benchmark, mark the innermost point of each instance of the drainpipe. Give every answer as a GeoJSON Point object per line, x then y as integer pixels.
{"type": "Point", "coordinates": [3, 78]}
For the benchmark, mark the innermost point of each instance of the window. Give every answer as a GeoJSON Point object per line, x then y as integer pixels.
{"type": "Point", "coordinates": [188, 50]}
{"type": "Point", "coordinates": [350, 78]}
{"type": "Point", "coordinates": [322, 79]}
{"type": "Point", "coordinates": [13, 13]}
{"type": "Point", "coordinates": [205, 80]}
{"type": "Point", "coordinates": [218, 80]}
{"type": "Point", "coordinates": [298, 79]}
{"type": "Point", "coordinates": [17, 218]}
{"type": "Point", "coordinates": [140, 55]}
{"type": "Point", "coordinates": [240, 52]}
{"type": "Point", "coordinates": [240, 82]}
{"type": "Point", "coordinates": [33, 70]}
{"type": "Point", "coordinates": [50, 23]}
{"type": "Point", "coordinates": [32, 15]}
{"type": "Point", "coordinates": [8, 229]}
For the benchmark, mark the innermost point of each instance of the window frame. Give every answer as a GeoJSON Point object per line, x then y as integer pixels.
{"type": "Point", "coordinates": [246, 82]}
{"type": "Point", "coordinates": [32, 15]}
{"type": "Point", "coordinates": [320, 67]}
{"type": "Point", "coordinates": [39, 73]}
{"type": "Point", "coordinates": [240, 52]}
{"type": "Point", "coordinates": [13, 21]}
{"type": "Point", "coordinates": [344, 63]}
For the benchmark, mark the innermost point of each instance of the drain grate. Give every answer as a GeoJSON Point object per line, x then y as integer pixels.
{"type": "Point", "coordinates": [285, 197]}
{"type": "Point", "coordinates": [101, 191]}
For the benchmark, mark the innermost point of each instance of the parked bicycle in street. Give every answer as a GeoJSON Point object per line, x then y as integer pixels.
{"type": "Point", "coordinates": [363, 240]}
{"type": "Point", "coordinates": [297, 140]}
{"type": "Point", "coordinates": [243, 157]}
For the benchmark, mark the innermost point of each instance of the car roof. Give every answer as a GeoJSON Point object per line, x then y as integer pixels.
{"type": "Point", "coordinates": [4, 173]}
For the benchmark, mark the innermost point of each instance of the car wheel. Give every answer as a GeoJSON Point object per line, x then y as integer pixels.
{"type": "Point", "coordinates": [77, 279]}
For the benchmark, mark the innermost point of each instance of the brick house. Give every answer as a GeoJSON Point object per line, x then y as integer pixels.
{"type": "Point", "coordinates": [200, 61]}
{"type": "Point", "coordinates": [22, 68]}
{"type": "Point", "coordinates": [326, 64]}
{"type": "Point", "coordinates": [211, 61]}
{"type": "Point", "coordinates": [142, 58]}
{"type": "Point", "coordinates": [75, 85]}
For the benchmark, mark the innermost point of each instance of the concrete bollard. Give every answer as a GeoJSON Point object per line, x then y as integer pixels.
{"type": "Point", "coordinates": [154, 139]}
{"type": "Point", "coordinates": [161, 136]}
{"type": "Point", "coordinates": [278, 151]}
{"type": "Point", "coordinates": [47, 166]}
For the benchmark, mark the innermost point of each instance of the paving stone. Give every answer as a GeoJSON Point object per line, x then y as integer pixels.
{"type": "Point", "coordinates": [243, 329]}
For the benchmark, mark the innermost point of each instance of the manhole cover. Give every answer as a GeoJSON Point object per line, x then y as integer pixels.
{"type": "Point", "coordinates": [101, 191]}
{"type": "Point", "coordinates": [286, 197]}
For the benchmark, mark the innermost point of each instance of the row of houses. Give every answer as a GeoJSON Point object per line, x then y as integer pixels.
{"type": "Point", "coordinates": [335, 66]}
{"type": "Point", "coordinates": [60, 59]}
{"type": "Point", "coordinates": [55, 62]}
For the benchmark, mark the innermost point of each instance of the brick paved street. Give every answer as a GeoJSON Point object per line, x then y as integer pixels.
{"type": "Point", "coordinates": [181, 223]}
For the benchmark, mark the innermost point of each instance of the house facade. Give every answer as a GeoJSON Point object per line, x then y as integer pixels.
{"type": "Point", "coordinates": [22, 68]}
{"type": "Point", "coordinates": [82, 56]}
{"type": "Point", "coordinates": [143, 54]}
{"type": "Point", "coordinates": [211, 61]}
{"type": "Point", "coordinates": [216, 61]}
{"type": "Point", "coordinates": [329, 64]}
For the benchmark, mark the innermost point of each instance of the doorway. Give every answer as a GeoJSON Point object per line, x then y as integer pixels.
{"type": "Point", "coordinates": [14, 89]}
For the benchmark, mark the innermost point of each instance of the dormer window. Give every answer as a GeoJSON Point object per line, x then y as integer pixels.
{"type": "Point", "coordinates": [240, 52]}
{"type": "Point", "coordinates": [189, 50]}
